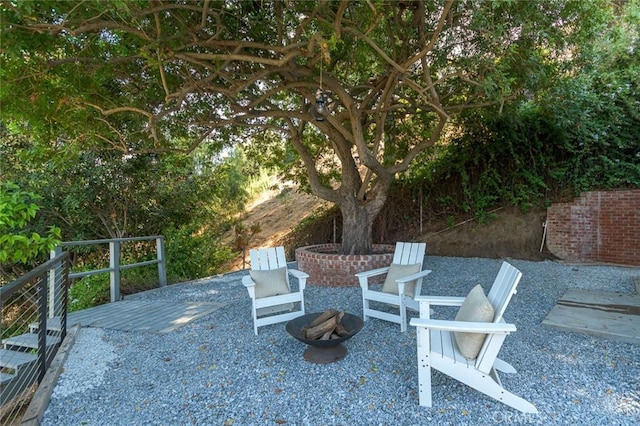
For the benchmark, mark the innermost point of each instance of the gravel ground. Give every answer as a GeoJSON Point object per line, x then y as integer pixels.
{"type": "Point", "coordinates": [215, 371]}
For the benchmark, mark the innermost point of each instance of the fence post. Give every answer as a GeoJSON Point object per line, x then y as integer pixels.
{"type": "Point", "coordinates": [64, 297]}
{"type": "Point", "coordinates": [114, 273]}
{"type": "Point", "coordinates": [41, 282]}
{"type": "Point", "coordinates": [162, 262]}
{"type": "Point", "coordinates": [54, 277]}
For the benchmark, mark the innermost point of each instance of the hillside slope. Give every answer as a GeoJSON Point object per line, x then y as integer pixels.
{"type": "Point", "coordinates": [511, 234]}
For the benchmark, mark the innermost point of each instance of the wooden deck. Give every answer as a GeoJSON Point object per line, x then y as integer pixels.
{"type": "Point", "coordinates": [138, 315]}
{"type": "Point", "coordinates": [604, 314]}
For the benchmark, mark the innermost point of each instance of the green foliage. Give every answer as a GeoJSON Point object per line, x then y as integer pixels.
{"type": "Point", "coordinates": [19, 243]}
{"type": "Point", "coordinates": [104, 194]}
{"type": "Point", "coordinates": [522, 157]}
{"type": "Point", "coordinates": [97, 194]}
{"type": "Point", "coordinates": [193, 253]}
{"type": "Point", "coordinates": [144, 78]}
{"type": "Point", "coordinates": [121, 87]}
{"type": "Point", "coordinates": [451, 222]}
{"type": "Point", "coordinates": [596, 110]}
{"type": "Point", "coordinates": [579, 134]}
{"type": "Point", "coordinates": [260, 183]}
{"type": "Point", "coordinates": [89, 291]}
{"type": "Point", "coordinates": [497, 158]}
{"type": "Point", "coordinates": [140, 278]}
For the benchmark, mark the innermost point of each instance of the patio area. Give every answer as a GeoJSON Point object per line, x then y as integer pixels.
{"type": "Point", "coordinates": [604, 314]}
{"type": "Point", "coordinates": [214, 370]}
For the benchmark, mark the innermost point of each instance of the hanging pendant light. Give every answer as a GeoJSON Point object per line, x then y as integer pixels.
{"type": "Point", "coordinates": [319, 111]}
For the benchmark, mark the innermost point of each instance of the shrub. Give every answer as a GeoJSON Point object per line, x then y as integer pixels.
{"type": "Point", "coordinates": [89, 291]}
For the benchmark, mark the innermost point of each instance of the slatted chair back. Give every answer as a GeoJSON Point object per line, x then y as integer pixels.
{"type": "Point", "coordinates": [503, 288]}
{"type": "Point", "coordinates": [409, 253]}
{"type": "Point", "coordinates": [264, 259]}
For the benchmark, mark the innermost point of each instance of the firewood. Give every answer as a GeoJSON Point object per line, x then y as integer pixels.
{"type": "Point", "coordinates": [341, 331]}
{"type": "Point", "coordinates": [329, 313]}
{"type": "Point", "coordinates": [319, 330]}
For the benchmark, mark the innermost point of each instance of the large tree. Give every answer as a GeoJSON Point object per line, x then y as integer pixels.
{"type": "Point", "coordinates": [140, 75]}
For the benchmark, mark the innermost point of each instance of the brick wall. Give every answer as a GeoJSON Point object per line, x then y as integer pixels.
{"type": "Point", "coordinates": [328, 268]}
{"type": "Point", "coordinates": [599, 226]}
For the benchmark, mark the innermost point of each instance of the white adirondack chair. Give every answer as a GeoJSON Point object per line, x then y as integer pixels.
{"type": "Point", "coordinates": [437, 346]}
{"type": "Point", "coordinates": [403, 282]}
{"type": "Point", "coordinates": [269, 288]}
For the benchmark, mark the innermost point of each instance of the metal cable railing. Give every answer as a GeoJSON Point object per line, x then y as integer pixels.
{"type": "Point", "coordinates": [34, 324]}
{"type": "Point", "coordinates": [34, 318]}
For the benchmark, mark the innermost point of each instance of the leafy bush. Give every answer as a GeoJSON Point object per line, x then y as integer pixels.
{"type": "Point", "coordinates": [89, 291]}
{"type": "Point", "coordinates": [192, 253]}
{"type": "Point", "coordinates": [498, 158]}
{"type": "Point", "coordinates": [580, 134]}
{"type": "Point", "coordinates": [19, 241]}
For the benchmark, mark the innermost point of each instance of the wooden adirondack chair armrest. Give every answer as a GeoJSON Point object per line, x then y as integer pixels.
{"type": "Point", "coordinates": [412, 277]}
{"type": "Point", "coordinates": [301, 276]}
{"type": "Point", "coordinates": [464, 326]}
{"type": "Point", "coordinates": [247, 281]}
{"type": "Point", "coordinates": [372, 273]}
{"type": "Point", "coordinates": [298, 274]}
{"type": "Point", "coordinates": [441, 300]}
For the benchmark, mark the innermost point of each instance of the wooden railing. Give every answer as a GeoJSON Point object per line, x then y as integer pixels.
{"type": "Point", "coordinates": [115, 267]}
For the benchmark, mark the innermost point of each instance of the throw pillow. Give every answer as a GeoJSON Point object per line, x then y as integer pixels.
{"type": "Point", "coordinates": [270, 282]}
{"type": "Point", "coordinates": [398, 271]}
{"type": "Point", "coordinates": [475, 308]}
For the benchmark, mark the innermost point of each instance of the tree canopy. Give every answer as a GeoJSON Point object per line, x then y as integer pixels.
{"type": "Point", "coordinates": [160, 76]}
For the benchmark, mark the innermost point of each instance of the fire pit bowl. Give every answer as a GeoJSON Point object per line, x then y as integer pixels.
{"type": "Point", "coordinates": [324, 351]}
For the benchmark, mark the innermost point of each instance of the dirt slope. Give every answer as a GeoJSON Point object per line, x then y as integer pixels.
{"type": "Point", "coordinates": [277, 211]}
{"type": "Point", "coordinates": [511, 234]}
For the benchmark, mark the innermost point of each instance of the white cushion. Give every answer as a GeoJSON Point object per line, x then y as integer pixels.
{"type": "Point", "coordinates": [398, 271]}
{"type": "Point", "coordinates": [475, 308]}
{"type": "Point", "coordinates": [270, 282]}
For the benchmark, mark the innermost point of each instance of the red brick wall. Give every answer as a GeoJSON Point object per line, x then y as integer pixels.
{"type": "Point", "coordinates": [327, 268]}
{"type": "Point", "coordinates": [600, 226]}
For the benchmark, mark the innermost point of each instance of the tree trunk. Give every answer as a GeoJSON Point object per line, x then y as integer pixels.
{"type": "Point", "coordinates": [357, 224]}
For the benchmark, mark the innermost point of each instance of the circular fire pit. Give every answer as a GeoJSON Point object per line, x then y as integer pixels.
{"type": "Point", "coordinates": [324, 351]}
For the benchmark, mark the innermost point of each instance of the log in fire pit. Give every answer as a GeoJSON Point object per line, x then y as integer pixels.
{"type": "Point", "coordinates": [324, 332]}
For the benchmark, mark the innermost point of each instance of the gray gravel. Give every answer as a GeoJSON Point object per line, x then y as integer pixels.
{"type": "Point", "coordinates": [215, 371]}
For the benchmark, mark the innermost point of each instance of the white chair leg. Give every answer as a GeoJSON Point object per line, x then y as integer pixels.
{"type": "Point", "coordinates": [403, 315]}
{"type": "Point", "coordinates": [255, 318]}
{"type": "Point", "coordinates": [365, 304]}
{"type": "Point", "coordinates": [488, 386]}
{"type": "Point", "coordinates": [424, 368]}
